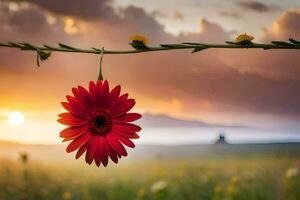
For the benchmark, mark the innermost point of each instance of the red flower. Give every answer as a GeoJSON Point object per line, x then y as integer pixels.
{"type": "Point", "coordinates": [99, 123]}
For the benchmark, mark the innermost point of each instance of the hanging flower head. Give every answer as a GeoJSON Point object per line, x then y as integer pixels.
{"type": "Point", "coordinates": [138, 42]}
{"type": "Point", "coordinates": [244, 39]}
{"type": "Point", "coordinates": [99, 123]}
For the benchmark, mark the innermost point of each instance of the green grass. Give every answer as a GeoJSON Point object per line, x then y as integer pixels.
{"type": "Point", "coordinates": [232, 178]}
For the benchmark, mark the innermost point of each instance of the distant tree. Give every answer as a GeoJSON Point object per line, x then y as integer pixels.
{"type": "Point", "coordinates": [221, 139]}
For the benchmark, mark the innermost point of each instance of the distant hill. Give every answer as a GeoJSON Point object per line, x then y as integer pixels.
{"type": "Point", "coordinates": [167, 121]}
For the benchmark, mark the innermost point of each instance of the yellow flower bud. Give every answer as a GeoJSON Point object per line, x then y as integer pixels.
{"type": "Point", "coordinates": [244, 39]}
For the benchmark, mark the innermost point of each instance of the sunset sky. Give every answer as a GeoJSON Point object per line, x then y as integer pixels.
{"type": "Point", "coordinates": [250, 87]}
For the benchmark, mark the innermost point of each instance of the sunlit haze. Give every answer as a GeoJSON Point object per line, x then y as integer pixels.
{"type": "Point", "coordinates": [16, 118]}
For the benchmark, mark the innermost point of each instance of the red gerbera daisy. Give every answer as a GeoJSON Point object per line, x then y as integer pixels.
{"type": "Point", "coordinates": [98, 122]}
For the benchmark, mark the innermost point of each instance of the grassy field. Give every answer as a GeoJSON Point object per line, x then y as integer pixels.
{"type": "Point", "coordinates": [259, 178]}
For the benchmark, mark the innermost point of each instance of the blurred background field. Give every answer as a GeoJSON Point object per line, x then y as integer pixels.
{"type": "Point", "coordinates": [265, 171]}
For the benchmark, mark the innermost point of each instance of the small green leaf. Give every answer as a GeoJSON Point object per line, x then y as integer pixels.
{"type": "Point", "coordinates": [15, 44]}
{"type": "Point", "coordinates": [166, 45]}
{"type": "Point", "coordinates": [192, 43]}
{"type": "Point", "coordinates": [294, 41]}
{"type": "Point", "coordinates": [173, 45]}
{"type": "Point", "coordinates": [49, 47]}
{"type": "Point", "coordinates": [281, 43]}
{"type": "Point", "coordinates": [66, 46]}
{"type": "Point", "coordinates": [29, 46]}
{"type": "Point", "coordinates": [228, 42]}
{"type": "Point", "coordinates": [42, 56]}
{"type": "Point", "coordinates": [197, 50]}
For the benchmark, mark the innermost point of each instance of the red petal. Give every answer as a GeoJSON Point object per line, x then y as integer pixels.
{"type": "Point", "coordinates": [70, 120]}
{"type": "Point", "coordinates": [97, 156]}
{"type": "Point", "coordinates": [71, 109]}
{"type": "Point", "coordinates": [89, 156]}
{"type": "Point", "coordinates": [98, 92]}
{"type": "Point", "coordinates": [75, 91]}
{"type": "Point", "coordinates": [93, 91]}
{"type": "Point", "coordinates": [114, 94]}
{"type": "Point", "coordinates": [78, 142]}
{"type": "Point", "coordinates": [126, 141]}
{"type": "Point", "coordinates": [127, 127]}
{"type": "Point", "coordinates": [128, 117]}
{"type": "Point", "coordinates": [84, 97]}
{"type": "Point", "coordinates": [103, 94]}
{"type": "Point", "coordinates": [132, 135]}
{"type": "Point", "coordinates": [124, 108]}
{"type": "Point", "coordinates": [99, 85]}
{"type": "Point", "coordinates": [105, 88]}
{"type": "Point", "coordinates": [79, 101]}
{"type": "Point", "coordinates": [111, 152]}
{"type": "Point", "coordinates": [75, 104]}
{"type": "Point", "coordinates": [72, 131]}
{"type": "Point", "coordinates": [119, 101]}
{"type": "Point", "coordinates": [103, 151]}
{"type": "Point", "coordinates": [81, 150]}
{"type": "Point", "coordinates": [116, 145]}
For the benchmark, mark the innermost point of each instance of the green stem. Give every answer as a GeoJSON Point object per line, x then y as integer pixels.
{"type": "Point", "coordinates": [100, 76]}
{"type": "Point", "coordinates": [294, 44]}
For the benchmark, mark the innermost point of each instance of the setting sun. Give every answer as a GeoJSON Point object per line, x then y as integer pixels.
{"type": "Point", "coordinates": [16, 118]}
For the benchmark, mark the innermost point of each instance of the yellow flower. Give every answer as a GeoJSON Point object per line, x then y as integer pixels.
{"type": "Point", "coordinates": [159, 186]}
{"type": "Point", "coordinates": [138, 41]}
{"type": "Point", "coordinates": [180, 173]}
{"type": "Point", "coordinates": [291, 172]}
{"type": "Point", "coordinates": [231, 189]}
{"type": "Point", "coordinates": [244, 39]}
{"type": "Point", "coordinates": [235, 180]}
{"type": "Point", "coordinates": [139, 38]}
{"type": "Point", "coordinates": [67, 195]}
{"type": "Point", "coordinates": [141, 193]}
{"type": "Point", "coordinates": [218, 189]}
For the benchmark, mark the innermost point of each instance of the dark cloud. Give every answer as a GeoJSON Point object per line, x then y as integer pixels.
{"type": "Point", "coordinates": [137, 21]}
{"type": "Point", "coordinates": [89, 9]}
{"type": "Point", "coordinates": [232, 14]}
{"type": "Point", "coordinates": [27, 22]}
{"type": "Point", "coordinates": [159, 14]}
{"type": "Point", "coordinates": [208, 32]}
{"type": "Point", "coordinates": [257, 6]}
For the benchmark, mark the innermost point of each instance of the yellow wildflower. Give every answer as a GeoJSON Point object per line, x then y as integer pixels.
{"type": "Point", "coordinates": [139, 38]}
{"type": "Point", "coordinates": [235, 180]}
{"type": "Point", "coordinates": [231, 189]}
{"type": "Point", "coordinates": [218, 189]}
{"type": "Point", "coordinates": [141, 193]}
{"type": "Point", "coordinates": [159, 186]}
{"type": "Point", "coordinates": [67, 195]}
{"type": "Point", "coordinates": [138, 41]}
{"type": "Point", "coordinates": [291, 172]}
{"type": "Point", "coordinates": [244, 39]}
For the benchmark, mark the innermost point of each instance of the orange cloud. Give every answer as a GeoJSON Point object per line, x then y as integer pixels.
{"type": "Point", "coordinates": [287, 25]}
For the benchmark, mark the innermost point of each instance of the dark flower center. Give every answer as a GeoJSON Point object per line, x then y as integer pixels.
{"type": "Point", "coordinates": [101, 124]}
{"type": "Point", "coordinates": [100, 121]}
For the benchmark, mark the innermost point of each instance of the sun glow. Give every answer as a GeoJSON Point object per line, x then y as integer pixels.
{"type": "Point", "coordinates": [16, 118]}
